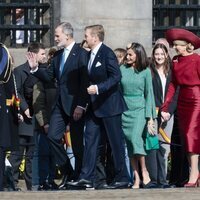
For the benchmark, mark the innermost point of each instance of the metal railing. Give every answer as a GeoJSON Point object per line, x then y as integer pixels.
{"type": "Point", "coordinates": [35, 25]}
{"type": "Point", "coordinates": [175, 14]}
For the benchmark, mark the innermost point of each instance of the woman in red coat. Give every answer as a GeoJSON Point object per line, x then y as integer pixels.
{"type": "Point", "coordinates": [186, 74]}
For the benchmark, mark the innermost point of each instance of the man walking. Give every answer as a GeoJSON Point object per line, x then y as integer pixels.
{"type": "Point", "coordinates": [69, 68]}
{"type": "Point", "coordinates": [104, 110]}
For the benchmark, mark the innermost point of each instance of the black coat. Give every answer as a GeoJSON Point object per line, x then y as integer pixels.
{"type": "Point", "coordinates": [8, 117]}
{"type": "Point", "coordinates": [23, 77]}
{"type": "Point", "coordinates": [158, 91]}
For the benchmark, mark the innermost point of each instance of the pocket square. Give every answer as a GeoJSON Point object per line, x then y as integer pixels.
{"type": "Point", "coordinates": [98, 64]}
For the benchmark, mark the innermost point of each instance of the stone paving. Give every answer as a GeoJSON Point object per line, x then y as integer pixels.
{"type": "Point", "coordinates": [146, 194]}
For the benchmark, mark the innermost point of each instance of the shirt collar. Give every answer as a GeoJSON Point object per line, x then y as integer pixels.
{"type": "Point", "coordinates": [96, 49]}
{"type": "Point", "coordinates": [69, 48]}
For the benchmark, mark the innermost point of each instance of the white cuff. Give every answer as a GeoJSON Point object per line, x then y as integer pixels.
{"type": "Point", "coordinates": [34, 70]}
{"type": "Point", "coordinates": [97, 89]}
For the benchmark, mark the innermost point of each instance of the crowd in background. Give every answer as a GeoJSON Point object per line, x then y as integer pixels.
{"type": "Point", "coordinates": [126, 119]}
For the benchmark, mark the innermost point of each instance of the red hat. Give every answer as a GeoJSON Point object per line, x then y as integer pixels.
{"type": "Point", "coordinates": [182, 34]}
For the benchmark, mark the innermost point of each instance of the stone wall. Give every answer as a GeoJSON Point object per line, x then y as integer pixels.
{"type": "Point", "coordinates": [124, 21]}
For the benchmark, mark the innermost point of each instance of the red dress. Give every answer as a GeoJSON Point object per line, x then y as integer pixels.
{"type": "Point", "coordinates": [186, 74]}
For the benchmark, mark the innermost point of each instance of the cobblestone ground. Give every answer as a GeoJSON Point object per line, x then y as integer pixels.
{"type": "Point", "coordinates": [146, 194]}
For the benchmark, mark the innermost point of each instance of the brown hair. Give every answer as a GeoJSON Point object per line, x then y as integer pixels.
{"type": "Point", "coordinates": [97, 30]}
{"type": "Point", "coordinates": [167, 63]}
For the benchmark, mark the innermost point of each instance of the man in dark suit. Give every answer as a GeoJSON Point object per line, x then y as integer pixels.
{"type": "Point", "coordinates": [104, 111]}
{"type": "Point", "coordinates": [69, 68]}
{"type": "Point", "coordinates": [24, 83]}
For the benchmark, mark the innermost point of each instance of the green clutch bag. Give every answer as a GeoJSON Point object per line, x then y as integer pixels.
{"type": "Point", "coordinates": [151, 142]}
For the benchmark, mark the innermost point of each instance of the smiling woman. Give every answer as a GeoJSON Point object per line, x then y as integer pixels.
{"type": "Point", "coordinates": [161, 77]}
{"type": "Point", "coordinates": [186, 75]}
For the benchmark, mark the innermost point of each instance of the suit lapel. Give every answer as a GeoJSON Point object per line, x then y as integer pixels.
{"type": "Point", "coordinates": [69, 60]}
{"type": "Point", "coordinates": [97, 58]}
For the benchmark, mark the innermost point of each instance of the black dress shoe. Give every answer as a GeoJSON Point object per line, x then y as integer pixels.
{"type": "Point", "coordinates": [118, 185]}
{"type": "Point", "coordinates": [149, 185]}
{"type": "Point", "coordinates": [102, 186]}
{"type": "Point", "coordinates": [166, 186]}
{"type": "Point", "coordinates": [63, 184]}
{"type": "Point", "coordinates": [82, 183]}
{"type": "Point", "coordinates": [53, 185]}
{"type": "Point", "coordinates": [44, 186]}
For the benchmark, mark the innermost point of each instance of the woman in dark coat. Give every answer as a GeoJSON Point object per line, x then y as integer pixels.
{"type": "Point", "coordinates": [8, 110]}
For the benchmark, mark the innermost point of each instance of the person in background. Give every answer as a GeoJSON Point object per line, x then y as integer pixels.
{"type": "Point", "coordinates": [136, 86]}
{"type": "Point", "coordinates": [164, 42]}
{"type": "Point", "coordinates": [43, 99]}
{"type": "Point", "coordinates": [157, 160]}
{"type": "Point", "coordinates": [121, 55]}
{"type": "Point", "coordinates": [24, 83]}
{"type": "Point", "coordinates": [9, 110]}
{"type": "Point", "coordinates": [186, 75]}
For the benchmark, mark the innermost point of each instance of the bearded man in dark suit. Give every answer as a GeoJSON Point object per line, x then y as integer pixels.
{"type": "Point", "coordinates": [69, 68]}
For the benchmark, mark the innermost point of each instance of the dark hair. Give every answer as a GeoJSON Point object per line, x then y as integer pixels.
{"type": "Point", "coordinates": [167, 63]}
{"type": "Point", "coordinates": [34, 47]}
{"type": "Point", "coordinates": [141, 56]}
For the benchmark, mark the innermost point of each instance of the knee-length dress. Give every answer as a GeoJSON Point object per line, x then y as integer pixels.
{"type": "Point", "coordinates": [138, 94]}
{"type": "Point", "coordinates": [186, 74]}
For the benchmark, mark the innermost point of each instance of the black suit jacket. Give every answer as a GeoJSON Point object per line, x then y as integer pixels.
{"type": "Point", "coordinates": [158, 91]}
{"type": "Point", "coordinates": [72, 84]}
{"type": "Point", "coordinates": [106, 75]}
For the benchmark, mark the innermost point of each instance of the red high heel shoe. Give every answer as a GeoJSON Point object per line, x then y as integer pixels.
{"type": "Point", "coordinates": [193, 185]}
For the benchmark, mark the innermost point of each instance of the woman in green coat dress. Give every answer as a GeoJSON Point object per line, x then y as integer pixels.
{"type": "Point", "coordinates": [136, 84]}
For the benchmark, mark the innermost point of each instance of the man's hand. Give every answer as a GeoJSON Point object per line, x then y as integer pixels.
{"type": "Point", "coordinates": [92, 89]}
{"type": "Point", "coordinates": [46, 128]}
{"type": "Point", "coordinates": [32, 60]}
{"type": "Point", "coordinates": [78, 112]}
{"type": "Point", "coordinates": [165, 116]}
{"type": "Point", "coordinates": [20, 118]}
{"type": "Point", "coordinates": [27, 113]}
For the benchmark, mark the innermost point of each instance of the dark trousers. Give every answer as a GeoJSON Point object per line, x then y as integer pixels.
{"type": "Point", "coordinates": [155, 162]}
{"type": "Point", "coordinates": [43, 165]}
{"type": "Point", "coordinates": [26, 149]}
{"type": "Point", "coordinates": [2, 167]}
{"type": "Point", "coordinates": [179, 164]}
{"type": "Point", "coordinates": [113, 129]}
{"type": "Point", "coordinates": [59, 121]}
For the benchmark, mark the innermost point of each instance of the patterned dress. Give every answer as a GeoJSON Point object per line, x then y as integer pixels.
{"type": "Point", "coordinates": [138, 93]}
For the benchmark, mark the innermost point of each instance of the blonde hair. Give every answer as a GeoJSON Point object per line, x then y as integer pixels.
{"type": "Point", "coordinates": [189, 46]}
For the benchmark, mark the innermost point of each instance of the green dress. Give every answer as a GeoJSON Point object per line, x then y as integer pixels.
{"type": "Point", "coordinates": [138, 93]}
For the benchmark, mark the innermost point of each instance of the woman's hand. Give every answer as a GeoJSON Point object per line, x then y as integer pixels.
{"type": "Point", "coordinates": [165, 116]}
{"type": "Point", "coordinates": [151, 127]}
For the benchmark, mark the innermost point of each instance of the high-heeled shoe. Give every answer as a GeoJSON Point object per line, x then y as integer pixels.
{"type": "Point", "coordinates": [193, 185]}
